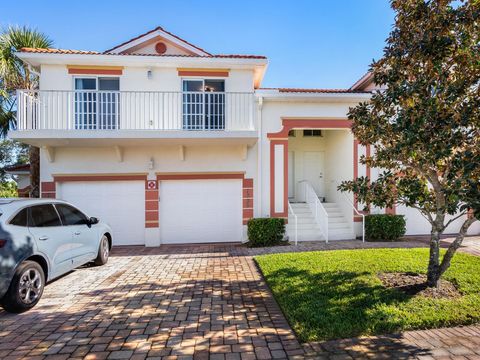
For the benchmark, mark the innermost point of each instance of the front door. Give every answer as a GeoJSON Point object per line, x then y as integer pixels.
{"type": "Point", "coordinates": [313, 165]}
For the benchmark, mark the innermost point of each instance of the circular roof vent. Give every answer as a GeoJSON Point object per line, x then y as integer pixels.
{"type": "Point", "coordinates": [160, 48]}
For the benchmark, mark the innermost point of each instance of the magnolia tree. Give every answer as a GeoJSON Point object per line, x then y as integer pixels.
{"type": "Point", "coordinates": [425, 122]}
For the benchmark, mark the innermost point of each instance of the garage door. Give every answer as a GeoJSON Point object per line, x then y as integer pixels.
{"type": "Point", "coordinates": [199, 211]}
{"type": "Point", "coordinates": [121, 204]}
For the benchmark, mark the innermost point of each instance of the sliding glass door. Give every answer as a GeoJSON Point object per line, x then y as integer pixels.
{"type": "Point", "coordinates": [97, 103]}
{"type": "Point", "coordinates": [204, 104]}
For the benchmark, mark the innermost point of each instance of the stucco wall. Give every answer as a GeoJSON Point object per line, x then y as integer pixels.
{"type": "Point", "coordinates": [56, 77]}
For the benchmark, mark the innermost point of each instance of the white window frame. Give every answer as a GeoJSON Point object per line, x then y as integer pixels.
{"type": "Point", "coordinates": [202, 79]}
{"type": "Point", "coordinates": [96, 77]}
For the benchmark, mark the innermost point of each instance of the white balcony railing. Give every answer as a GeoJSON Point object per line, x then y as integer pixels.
{"type": "Point", "coordinates": [134, 110]}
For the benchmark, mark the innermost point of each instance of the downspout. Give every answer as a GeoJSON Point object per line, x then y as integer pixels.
{"type": "Point", "coordinates": [260, 157]}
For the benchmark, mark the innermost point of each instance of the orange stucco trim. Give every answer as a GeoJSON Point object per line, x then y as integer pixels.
{"type": "Point", "coordinates": [199, 176]}
{"type": "Point", "coordinates": [203, 72]}
{"type": "Point", "coordinates": [284, 213]}
{"type": "Point", "coordinates": [99, 177]}
{"type": "Point", "coordinates": [290, 123]}
{"type": "Point", "coordinates": [95, 70]}
{"type": "Point", "coordinates": [281, 137]}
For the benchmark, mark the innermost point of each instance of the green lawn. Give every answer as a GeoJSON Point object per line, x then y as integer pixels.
{"type": "Point", "coordinates": [337, 294]}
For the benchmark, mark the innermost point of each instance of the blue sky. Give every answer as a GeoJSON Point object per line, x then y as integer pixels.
{"type": "Point", "coordinates": [309, 43]}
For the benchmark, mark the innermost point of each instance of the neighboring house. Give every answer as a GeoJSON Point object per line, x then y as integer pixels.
{"type": "Point", "coordinates": [169, 143]}
{"type": "Point", "coordinates": [21, 175]}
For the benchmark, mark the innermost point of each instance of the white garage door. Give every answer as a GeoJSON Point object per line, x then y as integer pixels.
{"type": "Point", "coordinates": [199, 211]}
{"type": "Point", "coordinates": [121, 204]}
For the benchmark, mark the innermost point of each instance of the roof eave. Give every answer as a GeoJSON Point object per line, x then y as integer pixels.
{"type": "Point", "coordinates": [36, 59]}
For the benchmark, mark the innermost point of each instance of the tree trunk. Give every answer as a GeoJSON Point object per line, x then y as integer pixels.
{"type": "Point", "coordinates": [435, 268]}
{"type": "Point", "coordinates": [452, 249]}
{"type": "Point", "coordinates": [34, 155]}
{"type": "Point", "coordinates": [433, 274]}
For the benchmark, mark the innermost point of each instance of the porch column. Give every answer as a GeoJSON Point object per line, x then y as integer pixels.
{"type": "Point", "coordinates": [279, 178]}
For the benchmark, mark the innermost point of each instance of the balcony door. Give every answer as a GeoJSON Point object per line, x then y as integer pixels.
{"type": "Point", "coordinates": [97, 103]}
{"type": "Point", "coordinates": [204, 104]}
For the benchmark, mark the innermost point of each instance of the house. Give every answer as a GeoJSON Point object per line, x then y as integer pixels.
{"type": "Point", "coordinates": [21, 175]}
{"type": "Point", "coordinates": [170, 143]}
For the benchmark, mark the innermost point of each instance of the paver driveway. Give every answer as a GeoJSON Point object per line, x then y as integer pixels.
{"type": "Point", "coordinates": [169, 301]}
{"type": "Point", "coordinates": [183, 302]}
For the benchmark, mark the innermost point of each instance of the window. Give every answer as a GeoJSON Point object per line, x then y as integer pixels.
{"type": "Point", "coordinates": [21, 218]}
{"type": "Point", "coordinates": [97, 103]}
{"type": "Point", "coordinates": [204, 104]}
{"type": "Point", "coordinates": [44, 216]}
{"type": "Point", "coordinates": [307, 133]}
{"type": "Point", "coordinates": [71, 215]}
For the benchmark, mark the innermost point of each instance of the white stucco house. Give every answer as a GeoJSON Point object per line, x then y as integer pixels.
{"type": "Point", "coordinates": [172, 144]}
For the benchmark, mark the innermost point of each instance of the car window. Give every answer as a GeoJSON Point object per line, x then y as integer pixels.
{"type": "Point", "coordinates": [71, 215]}
{"type": "Point", "coordinates": [44, 216]}
{"type": "Point", "coordinates": [21, 218]}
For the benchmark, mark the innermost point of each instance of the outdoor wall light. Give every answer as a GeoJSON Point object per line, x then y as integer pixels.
{"type": "Point", "coordinates": [151, 163]}
{"type": "Point", "coordinates": [149, 74]}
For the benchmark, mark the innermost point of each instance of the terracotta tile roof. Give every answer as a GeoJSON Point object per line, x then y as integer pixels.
{"type": "Point", "coordinates": [58, 51]}
{"type": "Point", "coordinates": [18, 167]}
{"type": "Point", "coordinates": [81, 52]}
{"type": "Point", "coordinates": [304, 90]}
{"type": "Point", "coordinates": [151, 31]}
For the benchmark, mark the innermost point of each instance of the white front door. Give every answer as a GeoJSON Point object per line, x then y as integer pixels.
{"type": "Point", "coordinates": [120, 204]}
{"type": "Point", "coordinates": [200, 211]}
{"type": "Point", "coordinates": [313, 165]}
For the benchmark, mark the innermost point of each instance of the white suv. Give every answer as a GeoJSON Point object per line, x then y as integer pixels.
{"type": "Point", "coordinates": [43, 239]}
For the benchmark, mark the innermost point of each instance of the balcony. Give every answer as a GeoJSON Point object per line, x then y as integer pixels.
{"type": "Point", "coordinates": [46, 117]}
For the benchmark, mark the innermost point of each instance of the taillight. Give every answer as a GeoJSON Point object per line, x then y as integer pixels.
{"type": "Point", "coordinates": [2, 243]}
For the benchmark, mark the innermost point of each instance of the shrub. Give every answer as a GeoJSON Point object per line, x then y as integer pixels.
{"type": "Point", "coordinates": [384, 227]}
{"type": "Point", "coordinates": [265, 231]}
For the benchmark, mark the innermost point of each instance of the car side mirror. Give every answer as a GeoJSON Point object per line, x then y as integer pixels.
{"type": "Point", "coordinates": [93, 221]}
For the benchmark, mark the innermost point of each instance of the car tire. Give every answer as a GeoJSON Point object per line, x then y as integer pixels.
{"type": "Point", "coordinates": [103, 251]}
{"type": "Point", "coordinates": [26, 288]}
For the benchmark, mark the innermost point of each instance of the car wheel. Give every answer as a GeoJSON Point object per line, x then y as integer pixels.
{"type": "Point", "coordinates": [103, 251]}
{"type": "Point", "coordinates": [26, 288]}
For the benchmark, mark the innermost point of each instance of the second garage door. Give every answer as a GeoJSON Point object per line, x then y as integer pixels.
{"type": "Point", "coordinates": [121, 204]}
{"type": "Point", "coordinates": [200, 211]}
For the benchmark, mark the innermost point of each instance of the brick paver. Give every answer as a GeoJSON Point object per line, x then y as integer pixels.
{"type": "Point", "coordinates": [192, 302]}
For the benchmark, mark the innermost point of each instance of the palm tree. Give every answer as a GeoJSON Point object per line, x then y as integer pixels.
{"type": "Point", "coordinates": [15, 74]}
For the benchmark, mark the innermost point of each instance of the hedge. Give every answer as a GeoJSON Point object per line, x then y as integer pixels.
{"type": "Point", "coordinates": [384, 227]}
{"type": "Point", "coordinates": [265, 231]}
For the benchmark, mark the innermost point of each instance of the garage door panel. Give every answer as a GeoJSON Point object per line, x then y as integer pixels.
{"type": "Point", "coordinates": [195, 211]}
{"type": "Point", "coordinates": [121, 204]}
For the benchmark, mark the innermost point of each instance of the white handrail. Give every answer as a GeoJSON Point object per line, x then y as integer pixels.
{"type": "Point", "coordinates": [317, 208]}
{"type": "Point", "coordinates": [296, 222]}
{"type": "Point", "coordinates": [135, 110]}
{"type": "Point", "coordinates": [356, 212]}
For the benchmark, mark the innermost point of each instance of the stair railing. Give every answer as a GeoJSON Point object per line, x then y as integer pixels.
{"type": "Point", "coordinates": [290, 210]}
{"type": "Point", "coordinates": [347, 200]}
{"type": "Point", "coordinates": [317, 208]}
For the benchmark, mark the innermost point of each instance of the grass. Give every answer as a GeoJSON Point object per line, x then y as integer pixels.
{"type": "Point", "coordinates": [337, 294]}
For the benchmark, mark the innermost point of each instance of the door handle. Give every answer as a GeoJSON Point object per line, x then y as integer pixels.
{"type": "Point", "coordinates": [43, 238]}
{"type": "Point", "coordinates": [77, 232]}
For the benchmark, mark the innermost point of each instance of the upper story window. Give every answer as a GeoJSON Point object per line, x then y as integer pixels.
{"type": "Point", "coordinates": [97, 101]}
{"type": "Point", "coordinates": [204, 104]}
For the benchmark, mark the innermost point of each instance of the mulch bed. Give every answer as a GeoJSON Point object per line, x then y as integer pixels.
{"type": "Point", "coordinates": [415, 285]}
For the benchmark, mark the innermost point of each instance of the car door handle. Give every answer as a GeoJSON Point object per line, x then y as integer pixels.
{"type": "Point", "coordinates": [43, 238]}
{"type": "Point", "coordinates": [77, 232]}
